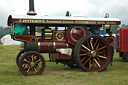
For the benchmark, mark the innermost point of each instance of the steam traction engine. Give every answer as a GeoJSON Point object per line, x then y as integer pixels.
{"type": "Point", "coordinates": [74, 41]}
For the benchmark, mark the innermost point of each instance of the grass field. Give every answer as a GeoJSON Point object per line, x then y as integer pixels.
{"type": "Point", "coordinates": [59, 74]}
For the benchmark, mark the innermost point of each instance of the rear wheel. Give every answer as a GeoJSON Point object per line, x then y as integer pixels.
{"type": "Point", "coordinates": [32, 63]}
{"type": "Point", "coordinates": [92, 53]}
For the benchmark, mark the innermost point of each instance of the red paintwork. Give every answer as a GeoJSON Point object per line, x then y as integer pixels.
{"type": "Point", "coordinates": [60, 39]}
{"type": "Point", "coordinates": [123, 44]}
{"type": "Point", "coordinates": [63, 56]}
{"type": "Point", "coordinates": [110, 40]}
{"type": "Point", "coordinates": [25, 38]}
{"type": "Point", "coordinates": [75, 35]}
{"type": "Point", "coordinates": [49, 46]}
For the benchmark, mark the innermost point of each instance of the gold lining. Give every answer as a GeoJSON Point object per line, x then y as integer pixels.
{"type": "Point", "coordinates": [36, 40]}
{"type": "Point", "coordinates": [54, 45]}
{"type": "Point", "coordinates": [112, 38]}
{"type": "Point", "coordinates": [33, 37]}
{"type": "Point", "coordinates": [75, 28]}
{"type": "Point", "coordinates": [12, 28]}
{"type": "Point", "coordinates": [21, 39]}
{"type": "Point", "coordinates": [67, 45]}
{"type": "Point", "coordinates": [55, 36]}
{"type": "Point", "coordinates": [39, 46]}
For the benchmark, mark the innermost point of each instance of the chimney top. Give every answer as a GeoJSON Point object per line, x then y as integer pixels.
{"type": "Point", "coordinates": [31, 8]}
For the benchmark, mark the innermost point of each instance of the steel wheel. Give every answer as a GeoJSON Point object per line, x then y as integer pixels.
{"type": "Point", "coordinates": [32, 63]}
{"type": "Point", "coordinates": [19, 56]}
{"type": "Point", "coordinates": [125, 57]}
{"type": "Point", "coordinates": [92, 53]}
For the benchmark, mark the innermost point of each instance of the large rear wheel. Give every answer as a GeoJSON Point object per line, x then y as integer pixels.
{"type": "Point", "coordinates": [92, 53]}
{"type": "Point", "coordinates": [32, 63]}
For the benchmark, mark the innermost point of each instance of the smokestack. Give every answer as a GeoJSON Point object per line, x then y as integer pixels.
{"type": "Point", "coordinates": [31, 8]}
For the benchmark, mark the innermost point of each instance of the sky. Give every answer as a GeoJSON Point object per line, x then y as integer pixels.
{"type": "Point", "coordinates": [91, 8]}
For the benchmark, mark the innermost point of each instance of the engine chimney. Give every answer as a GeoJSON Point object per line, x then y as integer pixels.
{"type": "Point", "coordinates": [31, 8]}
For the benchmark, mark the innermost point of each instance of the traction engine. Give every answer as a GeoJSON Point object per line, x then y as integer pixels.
{"type": "Point", "coordinates": [74, 41]}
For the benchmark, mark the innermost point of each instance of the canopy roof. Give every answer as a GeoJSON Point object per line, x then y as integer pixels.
{"type": "Point", "coordinates": [63, 20]}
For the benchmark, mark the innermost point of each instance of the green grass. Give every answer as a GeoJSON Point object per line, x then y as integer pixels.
{"type": "Point", "coordinates": [59, 74]}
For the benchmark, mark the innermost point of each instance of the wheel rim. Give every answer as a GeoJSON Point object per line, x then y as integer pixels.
{"type": "Point", "coordinates": [19, 56]}
{"type": "Point", "coordinates": [94, 53]}
{"type": "Point", "coordinates": [32, 64]}
{"type": "Point", "coordinates": [126, 56]}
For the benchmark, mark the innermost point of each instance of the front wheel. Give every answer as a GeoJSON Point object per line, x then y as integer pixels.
{"type": "Point", "coordinates": [92, 53]}
{"type": "Point", "coordinates": [32, 63]}
{"type": "Point", "coordinates": [19, 56]}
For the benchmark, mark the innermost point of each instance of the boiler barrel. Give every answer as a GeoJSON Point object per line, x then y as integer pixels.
{"type": "Point", "coordinates": [48, 47]}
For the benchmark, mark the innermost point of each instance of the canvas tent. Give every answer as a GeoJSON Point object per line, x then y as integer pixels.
{"type": "Point", "coordinates": [6, 40]}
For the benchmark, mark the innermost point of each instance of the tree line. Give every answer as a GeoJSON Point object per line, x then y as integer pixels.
{"type": "Point", "coordinates": [7, 30]}
{"type": "Point", "coordinates": [4, 31]}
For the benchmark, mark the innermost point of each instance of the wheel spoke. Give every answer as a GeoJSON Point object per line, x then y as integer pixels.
{"type": "Point", "coordinates": [96, 43]}
{"type": "Point", "coordinates": [88, 44]}
{"type": "Point", "coordinates": [98, 59]}
{"type": "Point", "coordinates": [97, 62]}
{"type": "Point", "coordinates": [28, 58]}
{"type": "Point", "coordinates": [102, 48]}
{"type": "Point", "coordinates": [83, 50]}
{"type": "Point", "coordinates": [37, 61]}
{"type": "Point", "coordinates": [32, 58]}
{"type": "Point", "coordinates": [27, 61]}
{"type": "Point", "coordinates": [91, 45]}
{"type": "Point", "coordinates": [102, 56]}
{"type": "Point", "coordinates": [83, 59]}
{"type": "Point", "coordinates": [86, 48]}
{"type": "Point", "coordinates": [28, 69]}
{"type": "Point", "coordinates": [101, 52]}
{"type": "Point", "coordinates": [87, 60]}
{"type": "Point", "coordinates": [35, 69]}
{"type": "Point", "coordinates": [83, 54]}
